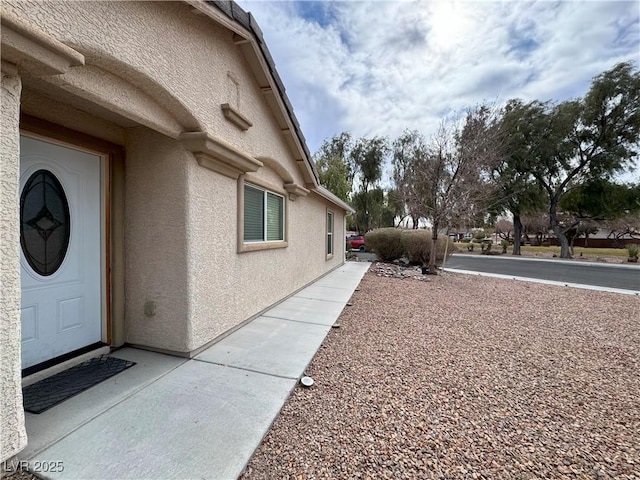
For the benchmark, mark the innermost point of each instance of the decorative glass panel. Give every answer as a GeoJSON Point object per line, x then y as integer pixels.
{"type": "Point", "coordinates": [253, 214]}
{"type": "Point", "coordinates": [45, 222]}
{"type": "Point", "coordinates": [275, 217]}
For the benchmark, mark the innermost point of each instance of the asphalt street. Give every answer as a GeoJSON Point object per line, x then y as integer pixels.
{"type": "Point", "coordinates": [619, 276]}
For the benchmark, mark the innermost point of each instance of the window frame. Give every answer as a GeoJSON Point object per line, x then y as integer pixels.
{"type": "Point", "coordinates": [266, 188]}
{"type": "Point", "coordinates": [330, 234]}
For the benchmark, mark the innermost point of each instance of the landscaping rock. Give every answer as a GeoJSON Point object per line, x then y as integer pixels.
{"type": "Point", "coordinates": [467, 377]}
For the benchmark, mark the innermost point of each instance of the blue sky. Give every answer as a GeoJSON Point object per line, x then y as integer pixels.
{"type": "Point", "coordinates": [379, 67]}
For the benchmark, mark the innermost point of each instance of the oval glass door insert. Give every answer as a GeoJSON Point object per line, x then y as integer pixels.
{"type": "Point", "coordinates": [45, 223]}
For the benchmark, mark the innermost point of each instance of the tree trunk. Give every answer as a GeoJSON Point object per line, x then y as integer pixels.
{"type": "Point", "coordinates": [433, 254]}
{"type": "Point", "coordinates": [571, 243]}
{"type": "Point", "coordinates": [560, 235]}
{"type": "Point", "coordinates": [517, 234]}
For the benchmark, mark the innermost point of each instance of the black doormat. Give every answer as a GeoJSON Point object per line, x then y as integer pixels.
{"type": "Point", "coordinates": [47, 393]}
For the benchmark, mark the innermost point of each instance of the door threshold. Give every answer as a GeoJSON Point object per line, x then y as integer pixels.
{"type": "Point", "coordinates": [51, 367]}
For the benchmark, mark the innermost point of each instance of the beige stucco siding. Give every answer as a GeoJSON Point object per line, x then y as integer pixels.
{"type": "Point", "coordinates": [156, 240]}
{"type": "Point", "coordinates": [153, 71]}
{"type": "Point", "coordinates": [175, 56]}
{"type": "Point", "coordinates": [42, 106]}
{"type": "Point", "coordinates": [13, 436]}
{"type": "Point", "coordinates": [229, 287]}
{"type": "Point", "coordinates": [138, 41]}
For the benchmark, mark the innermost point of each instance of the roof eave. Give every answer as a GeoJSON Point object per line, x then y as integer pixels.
{"type": "Point", "coordinates": [251, 42]}
{"type": "Point", "coordinates": [326, 194]}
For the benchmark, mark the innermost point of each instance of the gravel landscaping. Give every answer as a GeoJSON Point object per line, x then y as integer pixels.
{"type": "Point", "coordinates": [466, 377]}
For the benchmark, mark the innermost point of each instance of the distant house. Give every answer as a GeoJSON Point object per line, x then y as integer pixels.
{"type": "Point", "coordinates": [155, 187]}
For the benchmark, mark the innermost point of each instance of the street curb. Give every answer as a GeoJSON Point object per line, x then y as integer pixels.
{"type": "Point", "coordinates": [549, 260]}
{"type": "Point", "coordinates": [546, 282]}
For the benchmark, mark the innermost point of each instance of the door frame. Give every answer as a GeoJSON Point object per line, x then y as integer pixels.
{"type": "Point", "coordinates": [112, 214]}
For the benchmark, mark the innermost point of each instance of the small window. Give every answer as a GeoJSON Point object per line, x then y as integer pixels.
{"type": "Point", "coordinates": [329, 233]}
{"type": "Point", "coordinates": [263, 215]}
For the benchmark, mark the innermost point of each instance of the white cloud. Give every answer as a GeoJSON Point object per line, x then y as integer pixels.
{"type": "Point", "coordinates": [378, 67]}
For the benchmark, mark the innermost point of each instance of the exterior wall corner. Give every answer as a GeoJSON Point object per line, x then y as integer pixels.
{"type": "Point", "coordinates": [13, 437]}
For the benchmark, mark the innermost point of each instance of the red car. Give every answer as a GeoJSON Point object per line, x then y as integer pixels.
{"type": "Point", "coordinates": [357, 242]}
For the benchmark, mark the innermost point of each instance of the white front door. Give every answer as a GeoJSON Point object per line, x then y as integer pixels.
{"type": "Point", "coordinates": [61, 252]}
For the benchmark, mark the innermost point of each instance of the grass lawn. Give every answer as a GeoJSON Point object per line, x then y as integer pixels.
{"type": "Point", "coordinates": [613, 252]}
{"type": "Point", "coordinates": [550, 250]}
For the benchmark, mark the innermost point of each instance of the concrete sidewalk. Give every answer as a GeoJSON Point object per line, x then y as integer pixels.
{"type": "Point", "coordinates": [173, 418]}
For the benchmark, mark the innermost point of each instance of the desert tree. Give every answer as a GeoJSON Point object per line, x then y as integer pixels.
{"type": "Point", "coordinates": [408, 151]}
{"type": "Point", "coordinates": [393, 212]}
{"type": "Point", "coordinates": [600, 200]}
{"type": "Point", "coordinates": [352, 170]}
{"type": "Point", "coordinates": [516, 189]}
{"type": "Point", "coordinates": [334, 170]}
{"type": "Point", "coordinates": [366, 159]}
{"type": "Point", "coordinates": [580, 140]}
{"type": "Point", "coordinates": [535, 224]}
{"type": "Point", "coordinates": [624, 227]}
{"type": "Point", "coordinates": [446, 177]}
{"type": "Point", "coordinates": [504, 229]}
{"type": "Point", "coordinates": [596, 202]}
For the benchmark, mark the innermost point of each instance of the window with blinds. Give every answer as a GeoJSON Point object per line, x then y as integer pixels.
{"type": "Point", "coordinates": [263, 215]}
{"type": "Point", "coordinates": [329, 233]}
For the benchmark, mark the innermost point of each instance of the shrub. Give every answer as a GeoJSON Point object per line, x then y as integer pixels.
{"type": "Point", "coordinates": [504, 244]}
{"type": "Point", "coordinates": [633, 249]}
{"type": "Point", "coordinates": [417, 246]}
{"type": "Point", "coordinates": [391, 244]}
{"type": "Point", "coordinates": [479, 235]}
{"type": "Point", "coordinates": [386, 243]}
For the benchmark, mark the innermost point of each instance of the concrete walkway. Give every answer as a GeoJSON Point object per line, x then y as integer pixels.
{"type": "Point", "coordinates": [173, 418]}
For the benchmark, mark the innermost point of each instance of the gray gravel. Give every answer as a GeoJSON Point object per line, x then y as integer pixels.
{"type": "Point", "coordinates": [467, 377]}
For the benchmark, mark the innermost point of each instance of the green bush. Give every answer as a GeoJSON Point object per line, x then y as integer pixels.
{"type": "Point", "coordinates": [479, 235]}
{"type": "Point", "coordinates": [391, 243]}
{"type": "Point", "coordinates": [633, 249]}
{"type": "Point", "coordinates": [417, 246]}
{"type": "Point", "coordinates": [386, 243]}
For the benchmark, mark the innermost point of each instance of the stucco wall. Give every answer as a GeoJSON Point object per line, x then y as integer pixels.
{"type": "Point", "coordinates": [229, 287]}
{"type": "Point", "coordinates": [156, 233]}
{"type": "Point", "coordinates": [172, 54]}
{"type": "Point", "coordinates": [12, 432]}
{"type": "Point", "coordinates": [159, 64]}
{"type": "Point", "coordinates": [60, 113]}
{"type": "Point", "coordinates": [181, 248]}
